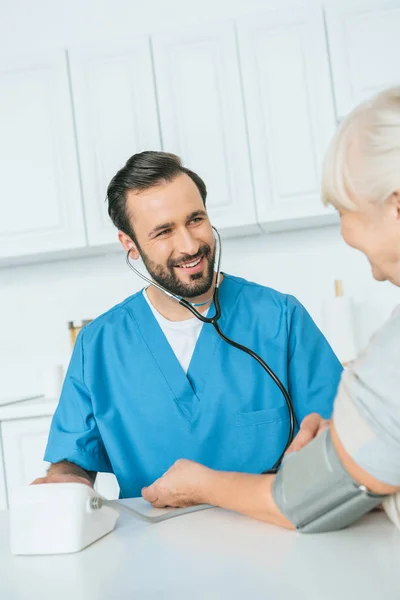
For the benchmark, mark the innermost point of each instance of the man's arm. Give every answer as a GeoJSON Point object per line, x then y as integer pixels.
{"type": "Point", "coordinates": [67, 468]}
{"type": "Point", "coordinates": [74, 437]}
{"type": "Point", "coordinates": [67, 472]}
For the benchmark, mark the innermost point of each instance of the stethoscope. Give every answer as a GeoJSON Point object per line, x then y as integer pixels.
{"type": "Point", "coordinates": [214, 322]}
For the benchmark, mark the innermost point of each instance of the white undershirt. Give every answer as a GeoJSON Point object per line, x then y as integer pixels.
{"type": "Point", "coordinates": [181, 335]}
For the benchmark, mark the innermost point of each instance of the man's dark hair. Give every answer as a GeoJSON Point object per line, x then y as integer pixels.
{"type": "Point", "coordinates": [143, 171]}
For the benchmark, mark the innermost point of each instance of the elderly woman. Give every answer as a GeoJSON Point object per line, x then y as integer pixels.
{"type": "Point", "coordinates": [361, 179]}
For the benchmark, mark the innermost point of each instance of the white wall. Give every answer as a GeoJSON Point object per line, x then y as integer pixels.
{"type": "Point", "coordinates": [36, 301]}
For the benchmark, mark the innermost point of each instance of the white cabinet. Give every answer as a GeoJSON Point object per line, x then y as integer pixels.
{"type": "Point", "coordinates": [3, 490]}
{"type": "Point", "coordinates": [364, 44]}
{"type": "Point", "coordinates": [24, 442]}
{"type": "Point", "coordinates": [116, 116]}
{"type": "Point", "coordinates": [290, 113]}
{"type": "Point", "coordinates": [24, 430]}
{"type": "Point", "coordinates": [252, 113]}
{"type": "Point", "coordinates": [40, 202]}
{"type": "Point", "coordinates": [202, 117]}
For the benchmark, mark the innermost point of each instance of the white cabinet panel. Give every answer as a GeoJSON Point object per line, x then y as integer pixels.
{"type": "Point", "coordinates": [40, 203]}
{"type": "Point", "coordinates": [202, 118]}
{"type": "Point", "coordinates": [24, 443]}
{"type": "Point", "coordinates": [364, 44]}
{"type": "Point", "coordinates": [3, 491]}
{"type": "Point", "coordinates": [290, 113]}
{"type": "Point", "coordinates": [116, 116]}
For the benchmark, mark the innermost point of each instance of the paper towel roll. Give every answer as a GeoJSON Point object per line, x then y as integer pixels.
{"type": "Point", "coordinates": [338, 325]}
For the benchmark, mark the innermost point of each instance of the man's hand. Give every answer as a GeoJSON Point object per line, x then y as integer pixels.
{"type": "Point", "coordinates": [182, 485]}
{"type": "Point", "coordinates": [62, 479]}
{"type": "Point", "coordinates": [310, 427]}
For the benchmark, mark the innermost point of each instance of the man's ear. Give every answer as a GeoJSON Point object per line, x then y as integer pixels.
{"type": "Point", "coordinates": [128, 244]}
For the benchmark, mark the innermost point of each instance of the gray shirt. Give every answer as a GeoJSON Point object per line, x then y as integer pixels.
{"type": "Point", "coordinates": [367, 409]}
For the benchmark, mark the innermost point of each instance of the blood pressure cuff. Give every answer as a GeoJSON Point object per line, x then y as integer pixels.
{"type": "Point", "coordinates": [315, 492]}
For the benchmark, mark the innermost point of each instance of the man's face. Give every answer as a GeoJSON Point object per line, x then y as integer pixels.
{"type": "Point", "coordinates": [174, 236]}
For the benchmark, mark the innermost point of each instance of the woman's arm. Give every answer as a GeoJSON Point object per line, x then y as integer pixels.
{"type": "Point", "coordinates": [188, 483]}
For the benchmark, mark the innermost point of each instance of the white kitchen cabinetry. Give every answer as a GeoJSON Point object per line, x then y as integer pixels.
{"type": "Point", "coordinates": [364, 45]}
{"type": "Point", "coordinates": [3, 491]}
{"type": "Point", "coordinates": [290, 113]}
{"type": "Point", "coordinates": [40, 203]}
{"type": "Point", "coordinates": [24, 442]}
{"type": "Point", "coordinates": [24, 430]}
{"type": "Point", "coordinates": [116, 117]}
{"type": "Point", "coordinates": [202, 117]}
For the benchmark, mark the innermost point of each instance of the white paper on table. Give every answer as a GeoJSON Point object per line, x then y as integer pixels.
{"type": "Point", "coordinates": [146, 512]}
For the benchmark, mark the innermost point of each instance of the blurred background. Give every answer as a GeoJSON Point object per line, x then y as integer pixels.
{"type": "Point", "coordinates": [248, 93]}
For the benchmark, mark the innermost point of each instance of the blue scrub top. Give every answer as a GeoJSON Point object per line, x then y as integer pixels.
{"type": "Point", "coordinates": [128, 408]}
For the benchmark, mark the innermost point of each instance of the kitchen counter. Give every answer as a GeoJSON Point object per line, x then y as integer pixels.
{"type": "Point", "coordinates": [25, 408]}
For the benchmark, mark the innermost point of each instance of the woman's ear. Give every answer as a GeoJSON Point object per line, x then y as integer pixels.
{"type": "Point", "coordinates": [396, 197]}
{"type": "Point", "coordinates": [395, 202]}
{"type": "Point", "coordinates": [128, 245]}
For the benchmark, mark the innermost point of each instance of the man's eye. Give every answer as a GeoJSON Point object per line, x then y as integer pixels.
{"type": "Point", "coordinates": [196, 220]}
{"type": "Point", "coordinates": [163, 232]}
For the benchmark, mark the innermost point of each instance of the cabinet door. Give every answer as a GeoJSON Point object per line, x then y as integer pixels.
{"type": "Point", "coordinates": [202, 117]}
{"type": "Point", "coordinates": [3, 490]}
{"type": "Point", "coordinates": [24, 443]}
{"type": "Point", "coordinates": [364, 43]}
{"type": "Point", "coordinates": [116, 116]}
{"type": "Point", "coordinates": [290, 113]}
{"type": "Point", "coordinates": [40, 203]}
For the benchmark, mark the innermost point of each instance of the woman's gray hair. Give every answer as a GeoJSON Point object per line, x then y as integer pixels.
{"type": "Point", "coordinates": [371, 170]}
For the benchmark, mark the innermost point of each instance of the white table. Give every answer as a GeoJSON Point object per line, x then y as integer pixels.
{"type": "Point", "coordinates": [212, 555]}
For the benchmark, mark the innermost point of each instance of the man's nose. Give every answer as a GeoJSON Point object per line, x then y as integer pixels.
{"type": "Point", "coordinates": [187, 244]}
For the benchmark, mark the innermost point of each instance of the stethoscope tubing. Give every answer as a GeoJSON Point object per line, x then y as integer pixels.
{"type": "Point", "coordinates": [214, 322]}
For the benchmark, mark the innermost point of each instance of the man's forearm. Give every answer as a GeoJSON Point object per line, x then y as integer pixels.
{"type": "Point", "coordinates": [244, 493]}
{"type": "Point", "coordinates": [67, 468]}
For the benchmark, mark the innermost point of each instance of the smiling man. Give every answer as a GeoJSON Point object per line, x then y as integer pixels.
{"type": "Point", "coordinates": [148, 383]}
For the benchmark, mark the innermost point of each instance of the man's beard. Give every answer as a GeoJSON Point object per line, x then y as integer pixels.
{"type": "Point", "coordinates": [167, 277]}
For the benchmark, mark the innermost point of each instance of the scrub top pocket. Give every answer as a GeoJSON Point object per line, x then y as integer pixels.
{"type": "Point", "coordinates": [261, 437]}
